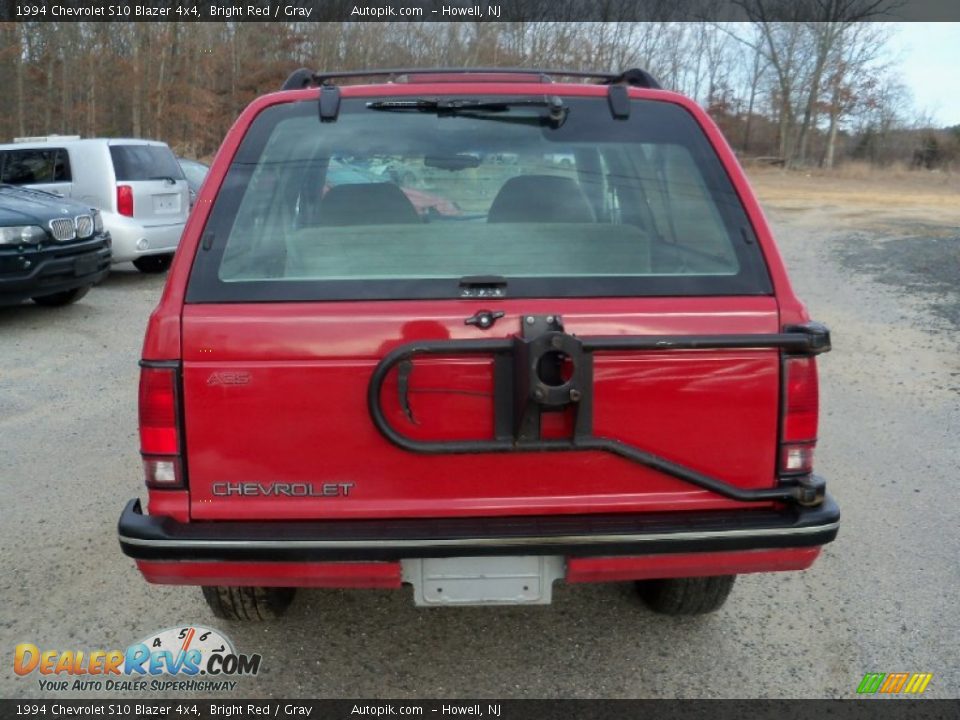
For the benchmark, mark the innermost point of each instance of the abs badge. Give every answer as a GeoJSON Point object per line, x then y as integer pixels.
{"type": "Point", "coordinates": [229, 378]}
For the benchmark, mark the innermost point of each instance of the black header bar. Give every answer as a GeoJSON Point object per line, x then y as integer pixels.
{"type": "Point", "coordinates": [445, 10]}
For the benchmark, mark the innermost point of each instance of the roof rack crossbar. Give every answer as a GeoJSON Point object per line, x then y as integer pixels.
{"type": "Point", "coordinates": [635, 77]}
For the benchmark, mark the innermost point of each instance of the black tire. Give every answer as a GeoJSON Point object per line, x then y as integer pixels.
{"type": "Point", "coordinates": [686, 596]}
{"type": "Point", "coordinates": [153, 264]}
{"type": "Point", "coordinates": [62, 298]}
{"type": "Point", "coordinates": [251, 604]}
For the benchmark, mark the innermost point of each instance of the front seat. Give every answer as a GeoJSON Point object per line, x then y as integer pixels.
{"type": "Point", "coordinates": [366, 204]}
{"type": "Point", "coordinates": [540, 199]}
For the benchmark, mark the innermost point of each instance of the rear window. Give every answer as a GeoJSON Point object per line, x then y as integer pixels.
{"type": "Point", "coordinates": [195, 172]}
{"type": "Point", "coordinates": [34, 166]}
{"type": "Point", "coordinates": [394, 204]}
{"type": "Point", "coordinates": [144, 162]}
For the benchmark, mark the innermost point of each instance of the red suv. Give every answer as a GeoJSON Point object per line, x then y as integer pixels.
{"type": "Point", "coordinates": [595, 371]}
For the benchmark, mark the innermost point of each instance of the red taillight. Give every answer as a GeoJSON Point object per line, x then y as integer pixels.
{"type": "Point", "coordinates": [159, 427]}
{"type": "Point", "coordinates": [125, 200]}
{"type": "Point", "coordinates": [801, 398]}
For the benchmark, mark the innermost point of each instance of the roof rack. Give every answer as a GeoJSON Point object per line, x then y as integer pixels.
{"type": "Point", "coordinates": [634, 77]}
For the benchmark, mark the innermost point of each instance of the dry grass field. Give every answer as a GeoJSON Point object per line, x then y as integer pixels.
{"type": "Point", "coordinates": [858, 196]}
{"type": "Point", "coordinates": [895, 226]}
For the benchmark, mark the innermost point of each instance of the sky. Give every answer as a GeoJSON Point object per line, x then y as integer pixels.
{"type": "Point", "coordinates": [930, 57]}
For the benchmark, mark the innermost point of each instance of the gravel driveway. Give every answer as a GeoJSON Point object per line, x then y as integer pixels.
{"type": "Point", "coordinates": [881, 599]}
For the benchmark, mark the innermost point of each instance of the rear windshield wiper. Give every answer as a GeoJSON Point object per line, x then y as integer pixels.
{"type": "Point", "coordinates": [168, 178]}
{"type": "Point", "coordinates": [475, 108]}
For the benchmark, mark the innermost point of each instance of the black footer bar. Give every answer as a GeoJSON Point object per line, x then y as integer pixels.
{"type": "Point", "coordinates": [187, 707]}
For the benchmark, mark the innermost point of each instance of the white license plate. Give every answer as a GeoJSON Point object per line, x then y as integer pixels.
{"type": "Point", "coordinates": [506, 580]}
{"type": "Point", "coordinates": [166, 203]}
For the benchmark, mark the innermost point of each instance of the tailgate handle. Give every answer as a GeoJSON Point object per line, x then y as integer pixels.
{"type": "Point", "coordinates": [484, 319]}
{"type": "Point", "coordinates": [527, 384]}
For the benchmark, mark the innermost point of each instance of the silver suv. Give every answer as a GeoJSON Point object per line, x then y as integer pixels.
{"type": "Point", "coordinates": [137, 184]}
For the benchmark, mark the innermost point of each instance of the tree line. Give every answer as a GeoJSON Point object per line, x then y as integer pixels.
{"type": "Point", "coordinates": [811, 92]}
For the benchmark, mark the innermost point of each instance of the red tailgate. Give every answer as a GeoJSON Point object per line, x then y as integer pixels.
{"type": "Point", "coordinates": [275, 395]}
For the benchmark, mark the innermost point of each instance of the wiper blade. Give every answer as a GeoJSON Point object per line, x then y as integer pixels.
{"type": "Point", "coordinates": [452, 106]}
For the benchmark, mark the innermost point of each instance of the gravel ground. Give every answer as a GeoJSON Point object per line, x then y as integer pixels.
{"type": "Point", "coordinates": [882, 598]}
{"type": "Point", "coordinates": [923, 265]}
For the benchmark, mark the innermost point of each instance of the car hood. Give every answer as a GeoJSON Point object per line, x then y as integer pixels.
{"type": "Point", "coordinates": [23, 206]}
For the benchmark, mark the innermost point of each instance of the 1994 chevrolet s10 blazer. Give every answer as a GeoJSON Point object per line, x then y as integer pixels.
{"type": "Point", "coordinates": [589, 367]}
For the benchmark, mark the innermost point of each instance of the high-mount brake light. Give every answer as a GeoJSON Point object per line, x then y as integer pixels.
{"type": "Point", "coordinates": [159, 427]}
{"type": "Point", "coordinates": [800, 414]}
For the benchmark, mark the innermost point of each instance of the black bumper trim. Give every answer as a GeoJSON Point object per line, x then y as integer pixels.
{"type": "Point", "coordinates": [147, 537]}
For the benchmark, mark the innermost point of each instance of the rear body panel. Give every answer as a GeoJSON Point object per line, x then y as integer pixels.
{"type": "Point", "coordinates": [157, 202]}
{"type": "Point", "coordinates": [161, 196]}
{"type": "Point", "coordinates": [256, 418]}
{"type": "Point", "coordinates": [274, 394]}
{"type": "Point", "coordinates": [153, 239]}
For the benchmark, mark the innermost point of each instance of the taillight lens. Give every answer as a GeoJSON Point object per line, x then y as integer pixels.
{"type": "Point", "coordinates": [125, 200]}
{"type": "Point", "coordinates": [159, 427]}
{"type": "Point", "coordinates": [162, 472]}
{"type": "Point", "coordinates": [801, 411]}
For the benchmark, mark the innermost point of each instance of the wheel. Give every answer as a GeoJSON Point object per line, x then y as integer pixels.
{"type": "Point", "coordinates": [248, 603]}
{"type": "Point", "coordinates": [62, 298]}
{"type": "Point", "coordinates": [686, 596]}
{"type": "Point", "coordinates": [153, 264]}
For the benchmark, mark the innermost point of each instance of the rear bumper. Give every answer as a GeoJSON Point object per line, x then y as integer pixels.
{"type": "Point", "coordinates": [128, 233]}
{"type": "Point", "coordinates": [163, 539]}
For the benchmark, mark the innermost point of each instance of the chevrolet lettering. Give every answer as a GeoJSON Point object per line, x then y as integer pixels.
{"type": "Point", "coordinates": [250, 489]}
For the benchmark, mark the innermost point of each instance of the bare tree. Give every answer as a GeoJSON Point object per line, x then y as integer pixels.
{"type": "Point", "coordinates": [851, 71]}
{"type": "Point", "coordinates": [832, 20]}
{"type": "Point", "coordinates": [184, 82]}
{"type": "Point", "coordinates": [798, 40]}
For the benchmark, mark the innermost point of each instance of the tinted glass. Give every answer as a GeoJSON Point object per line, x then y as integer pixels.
{"type": "Point", "coordinates": [194, 171]}
{"type": "Point", "coordinates": [144, 162]}
{"type": "Point", "coordinates": [405, 204]}
{"type": "Point", "coordinates": [34, 166]}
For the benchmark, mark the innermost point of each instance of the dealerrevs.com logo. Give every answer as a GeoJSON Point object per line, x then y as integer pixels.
{"type": "Point", "coordinates": [172, 659]}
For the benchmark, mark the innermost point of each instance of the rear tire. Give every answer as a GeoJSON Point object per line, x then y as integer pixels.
{"type": "Point", "coordinates": [250, 604]}
{"type": "Point", "coordinates": [686, 596]}
{"type": "Point", "coordinates": [62, 298]}
{"type": "Point", "coordinates": [153, 264]}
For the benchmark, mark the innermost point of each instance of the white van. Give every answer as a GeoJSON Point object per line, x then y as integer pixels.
{"type": "Point", "coordinates": [137, 185]}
